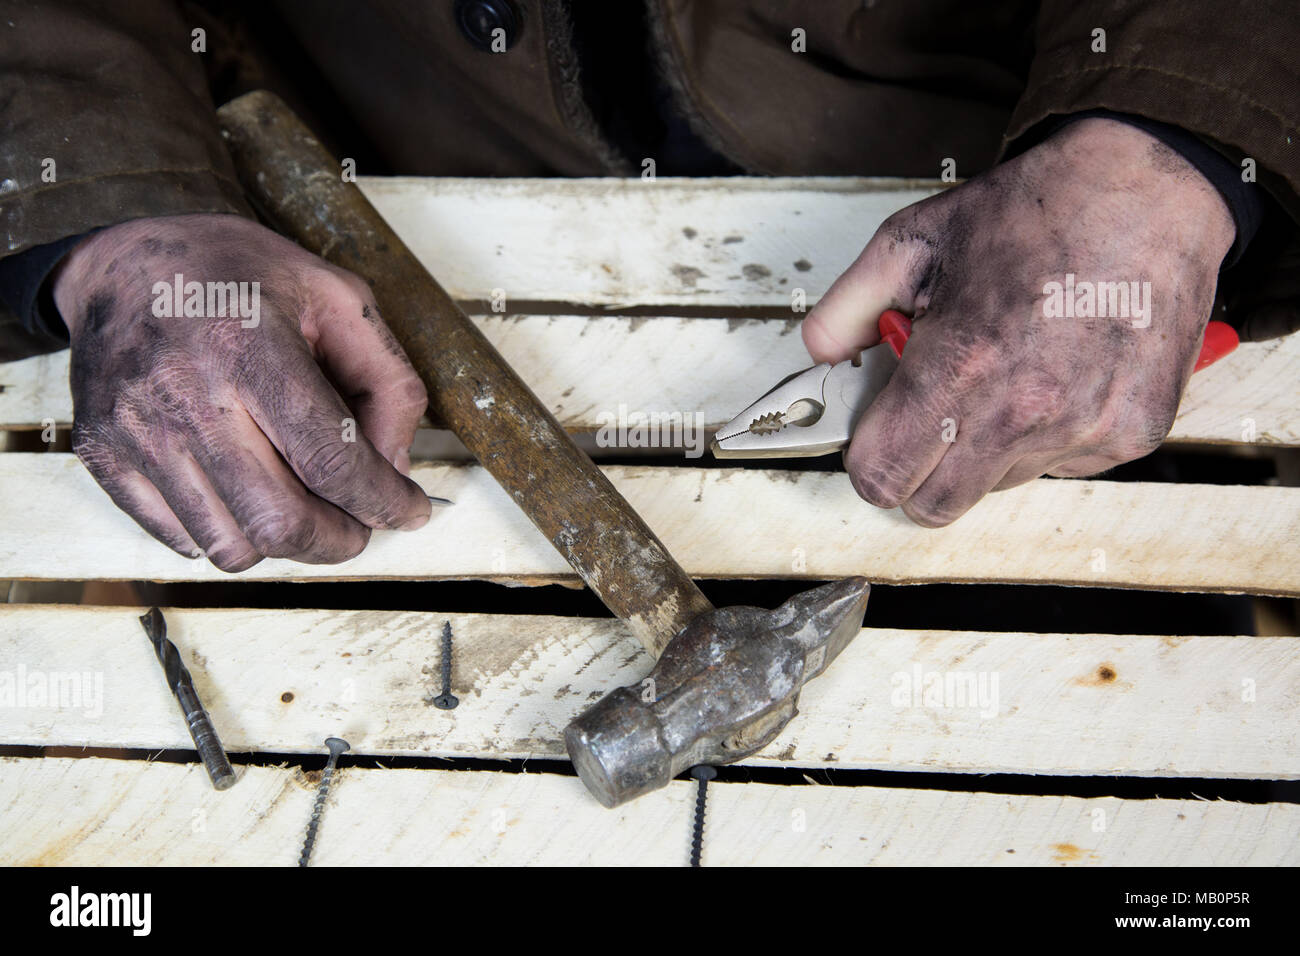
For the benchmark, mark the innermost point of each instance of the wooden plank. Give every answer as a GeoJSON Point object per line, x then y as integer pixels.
{"type": "Point", "coordinates": [584, 368]}
{"type": "Point", "coordinates": [618, 242]}
{"type": "Point", "coordinates": [55, 523]}
{"type": "Point", "coordinates": [973, 702]}
{"type": "Point", "coordinates": [94, 812]}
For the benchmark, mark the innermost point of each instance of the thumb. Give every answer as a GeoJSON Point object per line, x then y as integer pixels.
{"type": "Point", "coordinates": [372, 373]}
{"type": "Point", "coordinates": [884, 276]}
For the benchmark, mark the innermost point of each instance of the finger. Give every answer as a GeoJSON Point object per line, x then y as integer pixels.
{"type": "Point", "coordinates": [304, 418]}
{"type": "Point", "coordinates": [371, 371]}
{"type": "Point", "coordinates": [268, 503]}
{"type": "Point", "coordinates": [884, 276]}
{"type": "Point", "coordinates": [964, 476]}
{"type": "Point", "coordinates": [1051, 463]}
{"type": "Point", "coordinates": [1084, 467]}
{"type": "Point", "coordinates": [138, 497]}
{"type": "Point", "coordinates": [900, 439]}
{"type": "Point", "coordinates": [1031, 423]}
{"type": "Point", "coordinates": [181, 481]}
{"type": "Point", "coordinates": [1029, 468]}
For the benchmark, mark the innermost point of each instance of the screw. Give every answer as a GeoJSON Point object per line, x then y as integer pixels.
{"type": "Point", "coordinates": [206, 741]}
{"type": "Point", "coordinates": [702, 774]}
{"type": "Point", "coordinates": [336, 745]}
{"type": "Point", "coordinates": [446, 700]}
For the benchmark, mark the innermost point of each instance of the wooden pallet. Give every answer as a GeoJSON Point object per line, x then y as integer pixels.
{"type": "Point", "coordinates": [707, 268]}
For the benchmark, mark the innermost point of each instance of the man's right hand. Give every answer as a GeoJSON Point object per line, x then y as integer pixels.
{"type": "Point", "coordinates": [280, 432]}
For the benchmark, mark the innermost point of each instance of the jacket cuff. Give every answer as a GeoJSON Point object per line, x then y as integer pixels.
{"type": "Point", "coordinates": [46, 212]}
{"type": "Point", "coordinates": [1225, 75]}
{"type": "Point", "coordinates": [24, 290]}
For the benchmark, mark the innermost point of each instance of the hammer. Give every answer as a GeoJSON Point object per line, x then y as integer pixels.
{"type": "Point", "coordinates": [727, 680]}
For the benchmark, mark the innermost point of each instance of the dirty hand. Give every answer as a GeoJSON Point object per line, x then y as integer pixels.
{"type": "Point", "coordinates": [273, 424]}
{"type": "Point", "coordinates": [1000, 384]}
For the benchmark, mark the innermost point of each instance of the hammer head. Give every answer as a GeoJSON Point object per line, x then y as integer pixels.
{"type": "Point", "coordinates": [724, 687]}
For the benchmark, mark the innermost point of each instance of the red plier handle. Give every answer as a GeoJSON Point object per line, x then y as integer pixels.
{"type": "Point", "coordinates": [1220, 337]}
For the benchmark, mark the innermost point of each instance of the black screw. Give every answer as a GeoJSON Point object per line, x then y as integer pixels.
{"type": "Point", "coordinates": [446, 700]}
{"type": "Point", "coordinates": [336, 745]}
{"type": "Point", "coordinates": [702, 775]}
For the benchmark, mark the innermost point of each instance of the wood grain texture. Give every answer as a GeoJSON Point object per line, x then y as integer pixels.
{"type": "Point", "coordinates": [94, 812]}
{"type": "Point", "coordinates": [55, 523]}
{"type": "Point", "coordinates": [618, 242]}
{"type": "Point", "coordinates": [974, 702]}
{"type": "Point", "coordinates": [583, 368]}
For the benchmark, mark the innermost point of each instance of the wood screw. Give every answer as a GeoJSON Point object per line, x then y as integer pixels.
{"type": "Point", "coordinates": [336, 745]}
{"type": "Point", "coordinates": [702, 775]}
{"type": "Point", "coordinates": [446, 700]}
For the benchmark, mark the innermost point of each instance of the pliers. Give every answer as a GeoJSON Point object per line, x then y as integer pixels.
{"type": "Point", "coordinates": [814, 412]}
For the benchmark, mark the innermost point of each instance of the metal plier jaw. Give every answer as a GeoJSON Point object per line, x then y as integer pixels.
{"type": "Point", "coordinates": [810, 413]}
{"type": "Point", "coordinates": [814, 412]}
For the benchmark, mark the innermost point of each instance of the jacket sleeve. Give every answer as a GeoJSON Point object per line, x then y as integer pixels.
{"type": "Point", "coordinates": [104, 117]}
{"type": "Point", "coordinates": [1227, 71]}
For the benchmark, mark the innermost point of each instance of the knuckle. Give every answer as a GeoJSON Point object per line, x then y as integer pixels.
{"type": "Point", "coordinates": [1135, 446]}
{"type": "Point", "coordinates": [279, 533]}
{"type": "Point", "coordinates": [392, 514]}
{"type": "Point", "coordinates": [410, 395]}
{"type": "Point", "coordinates": [1083, 467]}
{"type": "Point", "coordinates": [352, 284]}
{"type": "Point", "coordinates": [1141, 439]}
{"type": "Point", "coordinates": [87, 444]}
{"type": "Point", "coordinates": [96, 448]}
{"type": "Point", "coordinates": [971, 363]}
{"type": "Point", "coordinates": [902, 224]}
{"type": "Point", "coordinates": [327, 464]}
{"type": "Point", "coordinates": [1029, 408]}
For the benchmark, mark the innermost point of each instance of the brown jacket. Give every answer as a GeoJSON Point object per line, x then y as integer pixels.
{"type": "Point", "coordinates": [116, 96]}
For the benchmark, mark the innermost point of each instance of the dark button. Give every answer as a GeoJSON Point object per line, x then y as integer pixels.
{"type": "Point", "coordinates": [480, 19]}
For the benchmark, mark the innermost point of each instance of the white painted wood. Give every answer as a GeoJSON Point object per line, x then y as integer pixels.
{"type": "Point", "coordinates": [583, 368]}
{"type": "Point", "coordinates": [1250, 397]}
{"type": "Point", "coordinates": [1051, 703]}
{"type": "Point", "coordinates": [91, 812]}
{"type": "Point", "coordinates": [56, 523]}
{"type": "Point", "coordinates": [95, 812]}
{"type": "Point", "coordinates": [618, 242]}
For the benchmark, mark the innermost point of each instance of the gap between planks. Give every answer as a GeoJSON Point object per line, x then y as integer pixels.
{"type": "Point", "coordinates": [97, 812]}
{"type": "Point", "coordinates": [280, 681]}
{"type": "Point", "coordinates": [584, 369]}
{"type": "Point", "coordinates": [57, 524]}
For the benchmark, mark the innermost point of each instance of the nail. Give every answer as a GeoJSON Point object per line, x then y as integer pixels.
{"type": "Point", "coordinates": [702, 774]}
{"type": "Point", "coordinates": [206, 741]}
{"type": "Point", "coordinates": [336, 745]}
{"type": "Point", "coordinates": [445, 700]}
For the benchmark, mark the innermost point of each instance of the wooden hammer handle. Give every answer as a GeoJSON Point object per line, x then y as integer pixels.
{"type": "Point", "coordinates": [299, 188]}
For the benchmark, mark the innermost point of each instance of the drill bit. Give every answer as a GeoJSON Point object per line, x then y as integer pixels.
{"type": "Point", "coordinates": [181, 685]}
